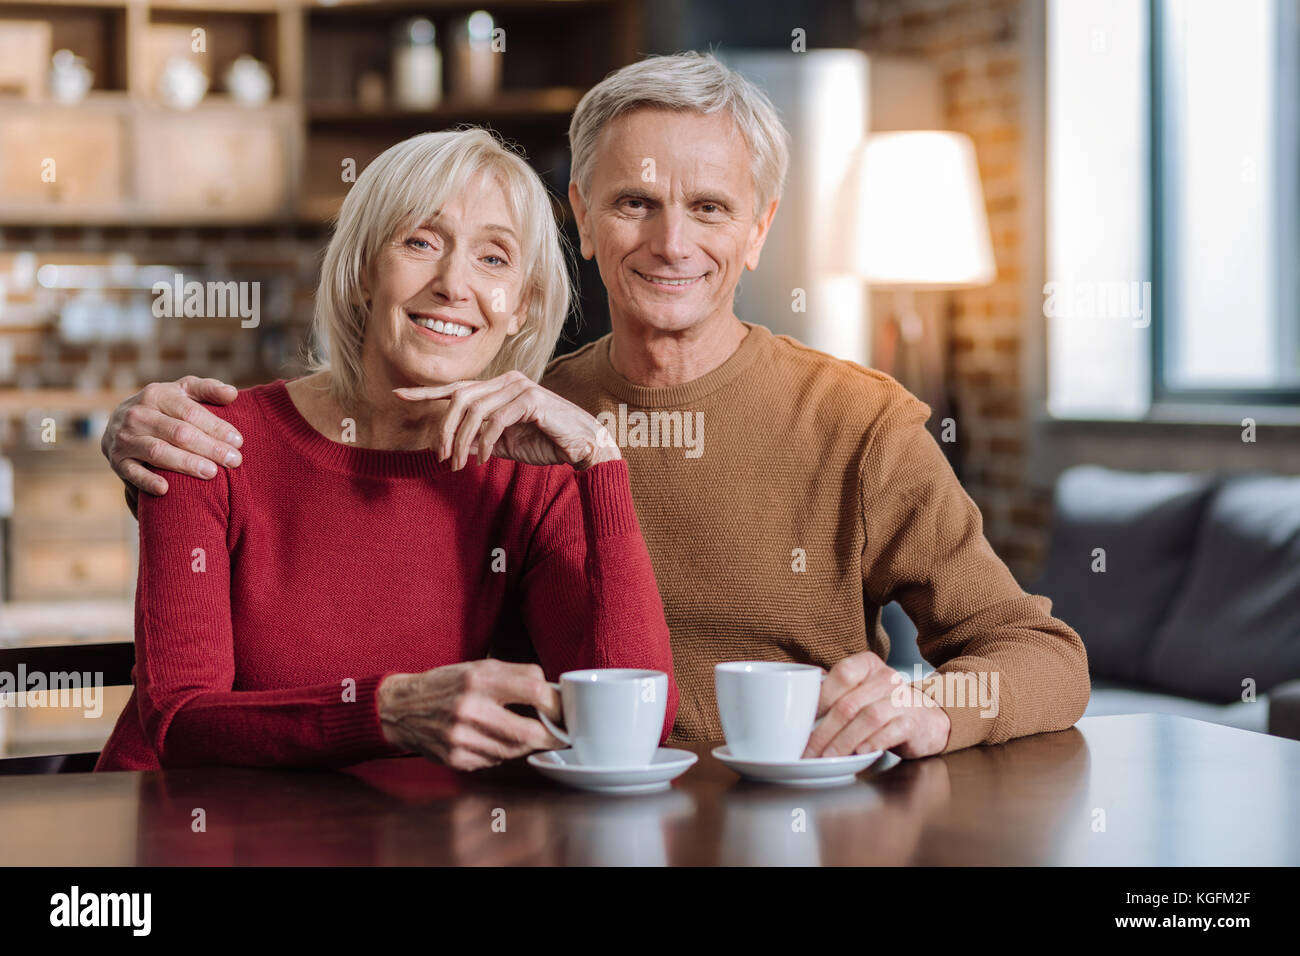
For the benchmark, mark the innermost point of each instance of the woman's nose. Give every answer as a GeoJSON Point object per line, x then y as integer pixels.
{"type": "Point", "coordinates": [450, 280]}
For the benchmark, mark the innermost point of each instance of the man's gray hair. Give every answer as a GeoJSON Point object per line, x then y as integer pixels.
{"type": "Point", "coordinates": [690, 81]}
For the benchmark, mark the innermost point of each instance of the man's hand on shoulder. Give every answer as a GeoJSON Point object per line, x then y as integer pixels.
{"type": "Point", "coordinates": [165, 425]}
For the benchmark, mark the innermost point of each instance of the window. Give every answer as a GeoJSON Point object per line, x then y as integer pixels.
{"type": "Point", "coordinates": [1173, 196]}
{"type": "Point", "coordinates": [1226, 96]}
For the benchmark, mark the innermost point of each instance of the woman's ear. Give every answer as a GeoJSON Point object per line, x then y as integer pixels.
{"type": "Point", "coordinates": [520, 315]}
{"type": "Point", "coordinates": [363, 290]}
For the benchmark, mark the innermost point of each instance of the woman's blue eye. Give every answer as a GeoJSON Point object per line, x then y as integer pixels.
{"type": "Point", "coordinates": [497, 258]}
{"type": "Point", "coordinates": [423, 242]}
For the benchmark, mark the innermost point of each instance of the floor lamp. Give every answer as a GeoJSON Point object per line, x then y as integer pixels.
{"type": "Point", "coordinates": [921, 226]}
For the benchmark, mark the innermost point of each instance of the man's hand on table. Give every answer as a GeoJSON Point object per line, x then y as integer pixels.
{"type": "Point", "coordinates": [165, 425]}
{"type": "Point", "coordinates": [864, 707]}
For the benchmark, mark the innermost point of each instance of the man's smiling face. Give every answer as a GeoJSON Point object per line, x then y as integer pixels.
{"type": "Point", "coordinates": [670, 216]}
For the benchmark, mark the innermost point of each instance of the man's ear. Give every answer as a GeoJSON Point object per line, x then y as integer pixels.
{"type": "Point", "coordinates": [585, 245]}
{"type": "Point", "coordinates": [758, 235]}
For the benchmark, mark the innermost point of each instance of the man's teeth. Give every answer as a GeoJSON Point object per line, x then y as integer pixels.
{"type": "Point", "coordinates": [670, 281]}
{"type": "Point", "coordinates": [446, 328]}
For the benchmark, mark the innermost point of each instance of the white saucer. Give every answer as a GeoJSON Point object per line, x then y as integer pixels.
{"type": "Point", "coordinates": [562, 765]}
{"type": "Point", "coordinates": [812, 772]}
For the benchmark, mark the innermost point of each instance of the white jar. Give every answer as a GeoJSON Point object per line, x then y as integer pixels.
{"type": "Point", "coordinates": [417, 65]}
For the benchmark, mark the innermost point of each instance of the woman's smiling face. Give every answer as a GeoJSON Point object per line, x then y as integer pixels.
{"type": "Point", "coordinates": [445, 294]}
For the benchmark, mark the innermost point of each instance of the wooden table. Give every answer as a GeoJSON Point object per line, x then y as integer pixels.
{"type": "Point", "coordinates": [1129, 790]}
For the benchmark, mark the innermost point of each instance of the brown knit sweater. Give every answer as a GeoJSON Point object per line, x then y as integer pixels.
{"type": "Point", "coordinates": [786, 497]}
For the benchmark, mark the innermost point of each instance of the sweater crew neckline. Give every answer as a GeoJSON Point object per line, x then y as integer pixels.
{"type": "Point", "coordinates": [278, 406]}
{"type": "Point", "coordinates": [755, 344]}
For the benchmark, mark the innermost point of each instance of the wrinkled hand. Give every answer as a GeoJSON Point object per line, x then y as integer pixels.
{"type": "Point", "coordinates": [164, 425]}
{"type": "Point", "coordinates": [511, 416]}
{"type": "Point", "coordinates": [866, 705]}
{"type": "Point", "coordinates": [456, 715]}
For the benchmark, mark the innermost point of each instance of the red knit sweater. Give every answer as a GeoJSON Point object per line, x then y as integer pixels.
{"type": "Point", "coordinates": [273, 598]}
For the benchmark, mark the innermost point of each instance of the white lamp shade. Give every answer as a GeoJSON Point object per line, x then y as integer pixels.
{"type": "Point", "coordinates": [921, 221]}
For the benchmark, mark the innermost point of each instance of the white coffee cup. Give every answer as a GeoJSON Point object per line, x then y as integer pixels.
{"type": "Point", "coordinates": [767, 707]}
{"type": "Point", "coordinates": [613, 717]}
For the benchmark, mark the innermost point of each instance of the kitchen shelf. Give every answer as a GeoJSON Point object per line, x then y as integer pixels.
{"type": "Point", "coordinates": [31, 623]}
{"type": "Point", "coordinates": [342, 9]}
{"type": "Point", "coordinates": [287, 174]}
{"type": "Point", "coordinates": [509, 104]}
{"type": "Point", "coordinates": [20, 402]}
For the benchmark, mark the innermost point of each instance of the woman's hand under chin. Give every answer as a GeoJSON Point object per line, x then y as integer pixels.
{"type": "Point", "coordinates": [511, 416]}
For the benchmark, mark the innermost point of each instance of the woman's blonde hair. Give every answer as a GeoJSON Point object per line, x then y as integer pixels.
{"type": "Point", "coordinates": [405, 186]}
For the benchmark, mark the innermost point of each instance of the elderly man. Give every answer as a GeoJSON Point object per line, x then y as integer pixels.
{"type": "Point", "coordinates": [786, 496]}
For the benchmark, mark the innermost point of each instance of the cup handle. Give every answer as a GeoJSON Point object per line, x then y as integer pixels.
{"type": "Point", "coordinates": [547, 723]}
{"type": "Point", "coordinates": [817, 722]}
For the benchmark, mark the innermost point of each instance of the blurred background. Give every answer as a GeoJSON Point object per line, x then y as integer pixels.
{"type": "Point", "coordinates": [1070, 226]}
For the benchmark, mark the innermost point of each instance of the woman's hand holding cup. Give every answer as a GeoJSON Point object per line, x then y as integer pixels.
{"type": "Point", "coordinates": [457, 714]}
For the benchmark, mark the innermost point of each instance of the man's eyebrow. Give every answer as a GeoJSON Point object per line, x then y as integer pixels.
{"type": "Point", "coordinates": [713, 195]}
{"type": "Point", "coordinates": [631, 192]}
{"type": "Point", "coordinates": [702, 195]}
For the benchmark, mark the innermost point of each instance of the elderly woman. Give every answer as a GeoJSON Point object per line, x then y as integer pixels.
{"type": "Point", "coordinates": [415, 503]}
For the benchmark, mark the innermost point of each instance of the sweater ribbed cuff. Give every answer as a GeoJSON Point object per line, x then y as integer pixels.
{"type": "Point", "coordinates": [971, 722]}
{"type": "Point", "coordinates": [969, 728]}
{"type": "Point", "coordinates": [352, 728]}
{"type": "Point", "coordinates": [607, 499]}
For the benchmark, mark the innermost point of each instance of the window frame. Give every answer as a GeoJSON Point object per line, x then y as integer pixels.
{"type": "Point", "coordinates": [1159, 249]}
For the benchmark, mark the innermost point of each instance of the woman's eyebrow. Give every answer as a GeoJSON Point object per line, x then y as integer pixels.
{"type": "Point", "coordinates": [500, 230]}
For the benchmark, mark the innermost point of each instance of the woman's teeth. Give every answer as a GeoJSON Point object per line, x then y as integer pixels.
{"type": "Point", "coordinates": [446, 328]}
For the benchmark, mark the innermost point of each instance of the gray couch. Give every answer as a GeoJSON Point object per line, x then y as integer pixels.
{"type": "Point", "coordinates": [1199, 602]}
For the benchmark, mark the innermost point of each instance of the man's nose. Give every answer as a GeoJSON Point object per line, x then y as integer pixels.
{"type": "Point", "coordinates": [670, 239]}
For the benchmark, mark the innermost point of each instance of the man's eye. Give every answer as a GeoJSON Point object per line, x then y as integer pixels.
{"type": "Point", "coordinates": [634, 204]}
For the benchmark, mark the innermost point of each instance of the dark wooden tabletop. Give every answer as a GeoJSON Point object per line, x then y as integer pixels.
{"type": "Point", "coordinates": [1133, 790]}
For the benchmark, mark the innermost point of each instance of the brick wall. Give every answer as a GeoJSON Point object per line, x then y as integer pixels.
{"type": "Point", "coordinates": [975, 47]}
{"type": "Point", "coordinates": [39, 348]}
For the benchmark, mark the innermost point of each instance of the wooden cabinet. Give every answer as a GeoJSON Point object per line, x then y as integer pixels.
{"type": "Point", "coordinates": [46, 570]}
{"type": "Point", "coordinates": [120, 156]}
{"type": "Point", "coordinates": [113, 159]}
{"type": "Point", "coordinates": [71, 535]}
{"type": "Point", "coordinates": [236, 163]}
{"type": "Point", "coordinates": [53, 156]}
{"type": "Point", "coordinates": [124, 159]}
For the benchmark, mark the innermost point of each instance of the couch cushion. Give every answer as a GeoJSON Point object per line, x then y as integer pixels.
{"type": "Point", "coordinates": [1239, 615]}
{"type": "Point", "coordinates": [1111, 698]}
{"type": "Point", "coordinates": [1146, 523]}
